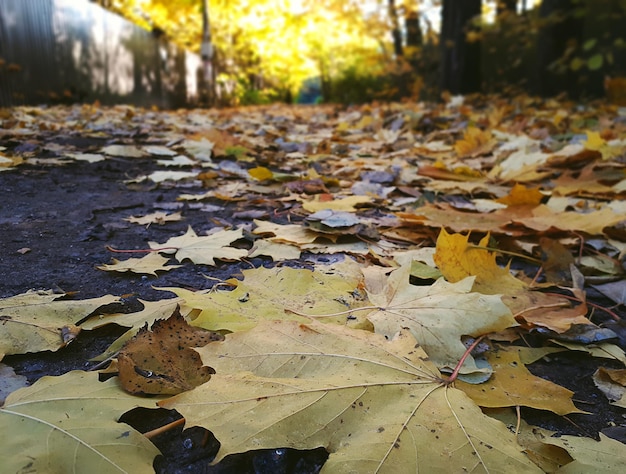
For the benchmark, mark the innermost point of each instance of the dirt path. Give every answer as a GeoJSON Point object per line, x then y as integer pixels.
{"type": "Point", "coordinates": [56, 222]}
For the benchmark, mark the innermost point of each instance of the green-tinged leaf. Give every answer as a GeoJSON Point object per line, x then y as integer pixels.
{"type": "Point", "coordinates": [576, 63]}
{"type": "Point", "coordinates": [261, 173]}
{"type": "Point", "coordinates": [35, 321]}
{"type": "Point", "coordinates": [589, 44]}
{"type": "Point", "coordinates": [595, 62]}
{"type": "Point", "coordinates": [329, 291]}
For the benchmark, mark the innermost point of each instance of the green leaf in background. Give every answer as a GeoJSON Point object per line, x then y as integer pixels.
{"type": "Point", "coordinates": [595, 62]}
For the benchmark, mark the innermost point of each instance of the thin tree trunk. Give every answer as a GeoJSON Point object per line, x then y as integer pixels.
{"type": "Point", "coordinates": [396, 33]}
{"type": "Point", "coordinates": [460, 59]}
{"type": "Point", "coordinates": [504, 7]}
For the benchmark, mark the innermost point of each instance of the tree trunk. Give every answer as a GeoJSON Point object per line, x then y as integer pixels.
{"type": "Point", "coordinates": [505, 7]}
{"type": "Point", "coordinates": [460, 59]}
{"type": "Point", "coordinates": [396, 33]}
{"type": "Point", "coordinates": [414, 35]}
{"type": "Point", "coordinates": [562, 29]}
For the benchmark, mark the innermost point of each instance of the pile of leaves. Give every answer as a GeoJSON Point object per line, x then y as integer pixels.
{"type": "Point", "coordinates": [453, 235]}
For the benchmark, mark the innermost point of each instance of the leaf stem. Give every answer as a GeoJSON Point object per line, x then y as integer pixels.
{"type": "Point", "coordinates": [162, 429]}
{"type": "Point", "coordinates": [161, 249]}
{"type": "Point", "coordinates": [506, 252]}
{"type": "Point", "coordinates": [613, 315]}
{"type": "Point", "coordinates": [466, 354]}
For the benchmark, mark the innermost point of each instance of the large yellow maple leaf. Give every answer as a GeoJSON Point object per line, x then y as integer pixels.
{"type": "Point", "coordinates": [375, 405]}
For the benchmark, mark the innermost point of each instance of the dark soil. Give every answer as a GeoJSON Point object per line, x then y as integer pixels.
{"type": "Point", "coordinates": [67, 215]}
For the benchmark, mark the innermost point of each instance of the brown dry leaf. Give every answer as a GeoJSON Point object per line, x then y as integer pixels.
{"type": "Point", "coordinates": [551, 311]}
{"type": "Point", "coordinates": [152, 311]}
{"type": "Point", "coordinates": [440, 215]}
{"type": "Point", "coordinates": [584, 182]}
{"type": "Point", "coordinates": [512, 384]}
{"type": "Point", "coordinates": [376, 405]}
{"type": "Point", "coordinates": [161, 361]}
{"type": "Point", "coordinates": [544, 219]}
{"type": "Point", "coordinates": [556, 260]}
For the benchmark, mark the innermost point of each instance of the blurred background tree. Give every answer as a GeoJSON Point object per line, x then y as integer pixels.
{"type": "Point", "coordinates": [360, 50]}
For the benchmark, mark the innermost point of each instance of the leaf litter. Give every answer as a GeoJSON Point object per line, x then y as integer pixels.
{"type": "Point", "coordinates": [317, 353]}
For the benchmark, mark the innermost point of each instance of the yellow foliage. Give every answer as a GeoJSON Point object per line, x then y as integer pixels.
{"type": "Point", "coordinates": [520, 195]}
{"type": "Point", "coordinates": [474, 142]}
{"type": "Point", "coordinates": [457, 259]}
{"type": "Point", "coordinates": [282, 42]}
{"type": "Point", "coordinates": [512, 384]}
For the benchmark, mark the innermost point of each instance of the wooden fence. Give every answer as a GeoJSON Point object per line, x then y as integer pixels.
{"type": "Point", "coordinates": [66, 51]}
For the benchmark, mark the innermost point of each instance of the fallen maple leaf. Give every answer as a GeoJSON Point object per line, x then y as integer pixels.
{"type": "Point", "coordinates": [375, 405]}
{"type": "Point", "coordinates": [158, 217]}
{"type": "Point", "coordinates": [593, 223]}
{"type": "Point", "coordinates": [276, 251]}
{"type": "Point", "coordinates": [520, 195]}
{"type": "Point", "coordinates": [34, 321]}
{"type": "Point", "coordinates": [160, 176]}
{"type": "Point", "coordinates": [161, 361]}
{"type": "Point", "coordinates": [127, 151]}
{"type": "Point", "coordinates": [69, 424]}
{"type": "Point", "coordinates": [458, 259]}
{"type": "Point", "coordinates": [437, 315]}
{"type": "Point", "coordinates": [604, 456]}
{"type": "Point", "coordinates": [612, 382]}
{"type": "Point", "coordinates": [152, 311]}
{"type": "Point", "coordinates": [149, 265]}
{"type": "Point", "coordinates": [289, 233]}
{"type": "Point", "coordinates": [512, 384]}
{"type": "Point", "coordinates": [265, 293]}
{"type": "Point", "coordinates": [159, 150]}
{"type": "Point", "coordinates": [203, 250]}
{"type": "Point", "coordinates": [475, 142]}
{"type": "Point", "coordinates": [346, 204]}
